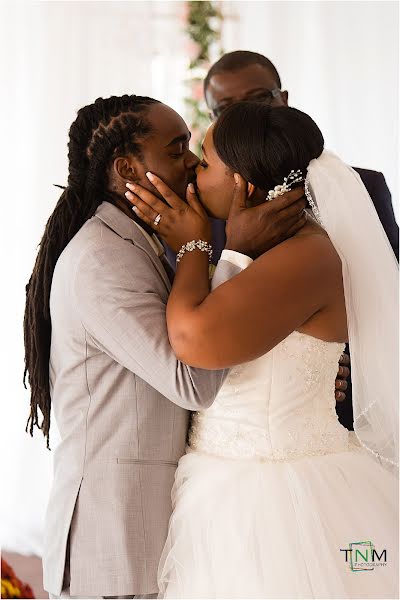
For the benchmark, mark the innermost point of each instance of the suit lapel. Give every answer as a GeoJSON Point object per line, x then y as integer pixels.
{"type": "Point", "coordinates": [125, 227]}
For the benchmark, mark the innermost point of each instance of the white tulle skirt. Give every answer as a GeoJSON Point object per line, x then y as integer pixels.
{"type": "Point", "coordinates": [252, 529]}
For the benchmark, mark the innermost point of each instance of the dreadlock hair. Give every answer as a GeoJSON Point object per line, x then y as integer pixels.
{"type": "Point", "coordinates": [102, 131]}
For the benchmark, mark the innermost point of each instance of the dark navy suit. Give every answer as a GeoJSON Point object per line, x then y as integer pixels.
{"type": "Point", "coordinates": [380, 195]}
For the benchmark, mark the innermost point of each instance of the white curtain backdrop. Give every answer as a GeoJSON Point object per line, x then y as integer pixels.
{"type": "Point", "coordinates": [339, 61]}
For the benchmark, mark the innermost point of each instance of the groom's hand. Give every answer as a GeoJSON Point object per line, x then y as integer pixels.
{"type": "Point", "coordinates": [253, 231]}
{"type": "Point", "coordinates": [342, 377]}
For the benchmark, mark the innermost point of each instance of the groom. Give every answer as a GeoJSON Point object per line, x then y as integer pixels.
{"type": "Point", "coordinates": [123, 398]}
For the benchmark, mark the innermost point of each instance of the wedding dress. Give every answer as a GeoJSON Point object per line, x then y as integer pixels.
{"type": "Point", "coordinates": [273, 490]}
{"type": "Point", "coordinates": [274, 497]}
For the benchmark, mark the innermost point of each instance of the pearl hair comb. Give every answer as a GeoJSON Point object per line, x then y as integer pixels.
{"type": "Point", "coordinates": [288, 183]}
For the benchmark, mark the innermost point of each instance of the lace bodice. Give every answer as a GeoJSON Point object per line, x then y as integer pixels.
{"type": "Point", "coordinates": [278, 407]}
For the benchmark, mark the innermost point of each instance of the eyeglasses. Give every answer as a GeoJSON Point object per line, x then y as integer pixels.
{"type": "Point", "coordinates": [263, 96]}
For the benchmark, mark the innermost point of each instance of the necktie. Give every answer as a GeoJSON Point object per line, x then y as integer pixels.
{"type": "Point", "coordinates": [167, 266]}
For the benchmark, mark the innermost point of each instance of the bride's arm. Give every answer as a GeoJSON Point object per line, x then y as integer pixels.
{"type": "Point", "coordinates": [250, 314]}
{"type": "Point", "coordinates": [245, 317]}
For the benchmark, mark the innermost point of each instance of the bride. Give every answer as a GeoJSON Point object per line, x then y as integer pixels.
{"type": "Point", "coordinates": [274, 498]}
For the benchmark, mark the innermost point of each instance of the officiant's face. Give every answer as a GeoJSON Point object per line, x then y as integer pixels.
{"type": "Point", "coordinates": [254, 82]}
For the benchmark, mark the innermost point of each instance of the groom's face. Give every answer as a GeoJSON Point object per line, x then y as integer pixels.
{"type": "Point", "coordinates": [166, 151]}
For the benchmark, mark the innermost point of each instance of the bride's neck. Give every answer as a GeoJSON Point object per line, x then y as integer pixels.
{"type": "Point", "coordinates": [311, 227]}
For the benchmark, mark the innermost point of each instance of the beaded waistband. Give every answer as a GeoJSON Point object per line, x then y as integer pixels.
{"type": "Point", "coordinates": [234, 439]}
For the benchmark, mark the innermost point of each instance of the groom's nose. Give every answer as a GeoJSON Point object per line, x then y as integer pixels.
{"type": "Point", "coordinates": [191, 160]}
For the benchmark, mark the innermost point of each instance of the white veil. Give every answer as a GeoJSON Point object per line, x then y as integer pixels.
{"type": "Point", "coordinates": [370, 276]}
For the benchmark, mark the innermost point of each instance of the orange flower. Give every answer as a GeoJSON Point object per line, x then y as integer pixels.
{"type": "Point", "coordinates": [11, 586]}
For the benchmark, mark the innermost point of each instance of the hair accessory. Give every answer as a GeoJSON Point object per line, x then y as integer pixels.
{"type": "Point", "coordinates": [288, 182]}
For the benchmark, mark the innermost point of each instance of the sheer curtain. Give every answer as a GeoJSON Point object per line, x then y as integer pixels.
{"type": "Point", "coordinates": [340, 63]}
{"type": "Point", "coordinates": [338, 60]}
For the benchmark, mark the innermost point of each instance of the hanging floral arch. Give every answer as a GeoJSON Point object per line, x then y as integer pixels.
{"type": "Point", "coordinates": [203, 28]}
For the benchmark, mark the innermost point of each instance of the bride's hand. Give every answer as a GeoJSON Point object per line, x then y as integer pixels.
{"type": "Point", "coordinates": [176, 221]}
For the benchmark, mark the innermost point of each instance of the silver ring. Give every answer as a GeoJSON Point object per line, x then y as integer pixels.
{"type": "Point", "coordinates": [157, 220]}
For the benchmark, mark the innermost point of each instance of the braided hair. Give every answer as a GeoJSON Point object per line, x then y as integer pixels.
{"type": "Point", "coordinates": [102, 131]}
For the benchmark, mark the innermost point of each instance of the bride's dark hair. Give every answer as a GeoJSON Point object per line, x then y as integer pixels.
{"type": "Point", "coordinates": [265, 143]}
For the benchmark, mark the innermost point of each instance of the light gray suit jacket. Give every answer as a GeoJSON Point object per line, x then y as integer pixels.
{"type": "Point", "coordinates": [121, 401]}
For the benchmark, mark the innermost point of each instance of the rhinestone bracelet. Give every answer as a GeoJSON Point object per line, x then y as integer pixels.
{"type": "Point", "coordinates": [190, 246]}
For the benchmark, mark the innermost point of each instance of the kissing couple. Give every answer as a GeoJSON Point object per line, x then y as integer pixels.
{"type": "Point", "coordinates": [221, 390]}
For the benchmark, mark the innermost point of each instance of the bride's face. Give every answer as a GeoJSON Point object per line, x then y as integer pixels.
{"type": "Point", "coordinates": [215, 181]}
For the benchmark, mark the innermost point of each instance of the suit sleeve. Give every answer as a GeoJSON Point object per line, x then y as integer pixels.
{"type": "Point", "coordinates": [218, 238]}
{"type": "Point", "coordinates": [122, 306]}
{"type": "Point", "coordinates": [382, 199]}
{"type": "Point", "coordinates": [230, 264]}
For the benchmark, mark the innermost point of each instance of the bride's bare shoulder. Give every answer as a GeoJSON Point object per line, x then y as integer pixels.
{"type": "Point", "coordinates": [309, 250]}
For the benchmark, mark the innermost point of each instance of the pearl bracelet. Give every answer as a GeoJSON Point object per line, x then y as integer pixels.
{"type": "Point", "coordinates": [190, 246]}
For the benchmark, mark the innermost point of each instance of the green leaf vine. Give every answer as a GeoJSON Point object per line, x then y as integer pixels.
{"type": "Point", "coordinates": [204, 21]}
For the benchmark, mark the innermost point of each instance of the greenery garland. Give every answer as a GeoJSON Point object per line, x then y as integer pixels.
{"type": "Point", "coordinates": [204, 21]}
